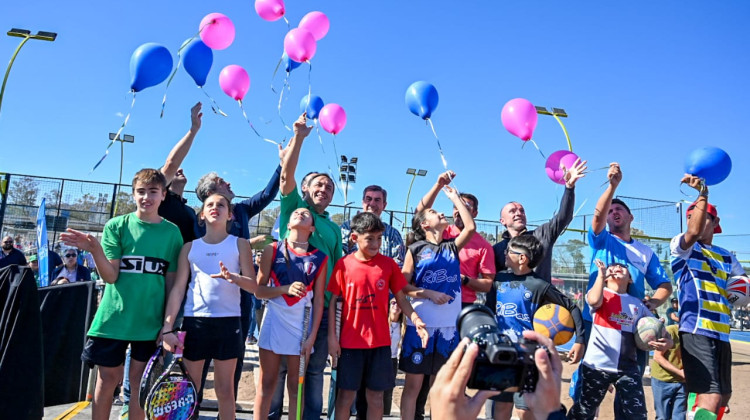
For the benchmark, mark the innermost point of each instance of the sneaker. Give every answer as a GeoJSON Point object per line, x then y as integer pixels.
{"type": "Point", "coordinates": [124, 412]}
{"type": "Point", "coordinates": [251, 341]}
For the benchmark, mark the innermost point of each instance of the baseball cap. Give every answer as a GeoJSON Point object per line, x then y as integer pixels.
{"type": "Point", "coordinates": [32, 258]}
{"type": "Point", "coordinates": [710, 209]}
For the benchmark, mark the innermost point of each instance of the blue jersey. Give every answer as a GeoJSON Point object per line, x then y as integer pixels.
{"type": "Point", "coordinates": [436, 267]}
{"type": "Point", "coordinates": [289, 266]}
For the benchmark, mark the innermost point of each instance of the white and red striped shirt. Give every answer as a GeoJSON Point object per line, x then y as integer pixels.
{"type": "Point", "coordinates": [611, 346]}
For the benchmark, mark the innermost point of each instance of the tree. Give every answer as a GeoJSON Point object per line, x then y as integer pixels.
{"type": "Point", "coordinates": [124, 203]}
{"type": "Point", "coordinates": [338, 218]}
{"type": "Point", "coordinates": [569, 257]}
{"type": "Point", "coordinates": [24, 191]}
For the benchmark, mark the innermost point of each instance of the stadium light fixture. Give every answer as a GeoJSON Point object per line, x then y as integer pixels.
{"type": "Point", "coordinates": [557, 113]}
{"type": "Point", "coordinates": [26, 35]}
{"type": "Point", "coordinates": [414, 174]}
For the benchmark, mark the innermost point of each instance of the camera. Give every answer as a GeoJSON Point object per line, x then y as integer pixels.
{"type": "Point", "coordinates": [501, 365]}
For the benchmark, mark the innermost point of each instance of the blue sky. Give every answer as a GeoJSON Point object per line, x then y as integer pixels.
{"type": "Point", "coordinates": [644, 83]}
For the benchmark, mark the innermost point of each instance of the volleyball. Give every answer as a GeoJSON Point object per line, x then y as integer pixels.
{"type": "Point", "coordinates": [555, 322]}
{"type": "Point", "coordinates": [738, 291]}
{"type": "Point", "coordinates": [648, 329]}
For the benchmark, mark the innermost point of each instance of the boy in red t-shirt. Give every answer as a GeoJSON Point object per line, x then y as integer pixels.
{"type": "Point", "coordinates": [364, 280]}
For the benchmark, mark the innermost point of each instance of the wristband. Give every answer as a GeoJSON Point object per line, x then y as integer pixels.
{"type": "Point", "coordinates": [464, 280]}
{"type": "Point", "coordinates": [169, 332]}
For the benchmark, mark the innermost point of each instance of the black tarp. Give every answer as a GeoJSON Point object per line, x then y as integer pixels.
{"type": "Point", "coordinates": [67, 311]}
{"type": "Point", "coordinates": [21, 365]}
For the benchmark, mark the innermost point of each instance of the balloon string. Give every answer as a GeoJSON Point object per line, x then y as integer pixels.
{"type": "Point", "coordinates": [273, 76]}
{"type": "Point", "coordinates": [117, 136]}
{"type": "Point", "coordinates": [281, 98]}
{"type": "Point", "coordinates": [288, 25]}
{"type": "Point", "coordinates": [244, 114]}
{"type": "Point", "coordinates": [442, 155]}
{"type": "Point", "coordinates": [336, 157]}
{"type": "Point", "coordinates": [309, 82]}
{"type": "Point", "coordinates": [703, 182]}
{"type": "Point", "coordinates": [325, 158]}
{"type": "Point", "coordinates": [214, 106]}
{"type": "Point", "coordinates": [536, 146]}
{"type": "Point", "coordinates": [169, 82]}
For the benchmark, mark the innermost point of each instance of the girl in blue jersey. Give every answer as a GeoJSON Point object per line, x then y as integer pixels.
{"type": "Point", "coordinates": [432, 267]}
{"type": "Point", "coordinates": [207, 269]}
{"type": "Point", "coordinates": [292, 275]}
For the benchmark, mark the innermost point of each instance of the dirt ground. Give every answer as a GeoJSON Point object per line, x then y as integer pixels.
{"type": "Point", "coordinates": [738, 405]}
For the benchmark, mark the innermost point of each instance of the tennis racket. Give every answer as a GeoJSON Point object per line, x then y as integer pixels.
{"type": "Point", "coordinates": [151, 374]}
{"type": "Point", "coordinates": [334, 362]}
{"type": "Point", "coordinates": [302, 361]}
{"type": "Point", "coordinates": [173, 396]}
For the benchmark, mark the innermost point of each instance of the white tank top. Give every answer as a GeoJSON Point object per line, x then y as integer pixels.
{"type": "Point", "coordinates": [207, 296]}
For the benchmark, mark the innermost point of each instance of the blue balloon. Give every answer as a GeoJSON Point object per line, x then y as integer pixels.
{"type": "Point", "coordinates": [150, 65]}
{"type": "Point", "coordinates": [709, 163]}
{"type": "Point", "coordinates": [197, 59]}
{"type": "Point", "coordinates": [289, 64]}
{"type": "Point", "coordinates": [312, 107]}
{"type": "Point", "coordinates": [422, 99]}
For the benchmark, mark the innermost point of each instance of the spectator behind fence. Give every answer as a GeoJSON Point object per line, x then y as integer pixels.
{"type": "Point", "coordinates": [9, 254]}
{"type": "Point", "coordinates": [70, 271]}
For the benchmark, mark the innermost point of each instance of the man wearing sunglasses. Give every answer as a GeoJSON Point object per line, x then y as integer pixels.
{"type": "Point", "coordinates": [70, 271]}
{"type": "Point", "coordinates": [10, 255]}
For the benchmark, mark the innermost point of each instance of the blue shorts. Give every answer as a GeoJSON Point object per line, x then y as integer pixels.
{"type": "Point", "coordinates": [427, 361]}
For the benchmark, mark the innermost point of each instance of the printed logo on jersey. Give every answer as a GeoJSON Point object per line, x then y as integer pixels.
{"type": "Point", "coordinates": [211, 254]}
{"type": "Point", "coordinates": [527, 295]}
{"type": "Point", "coordinates": [366, 298]}
{"type": "Point", "coordinates": [417, 358]}
{"type": "Point", "coordinates": [426, 254]}
{"type": "Point", "coordinates": [309, 267]}
{"type": "Point", "coordinates": [380, 284]}
{"type": "Point", "coordinates": [143, 265]}
{"type": "Point", "coordinates": [510, 310]}
{"type": "Point", "coordinates": [438, 276]}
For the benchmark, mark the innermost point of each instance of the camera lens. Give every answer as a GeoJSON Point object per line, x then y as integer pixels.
{"type": "Point", "coordinates": [474, 321]}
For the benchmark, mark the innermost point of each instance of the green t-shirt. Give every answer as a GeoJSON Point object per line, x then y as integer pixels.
{"type": "Point", "coordinates": [132, 308]}
{"type": "Point", "coordinates": [326, 237]}
{"type": "Point", "coordinates": [673, 355]}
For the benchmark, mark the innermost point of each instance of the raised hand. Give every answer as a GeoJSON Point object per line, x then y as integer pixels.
{"type": "Point", "coordinates": [576, 172]}
{"type": "Point", "coordinates": [79, 240]}
{"type": "Point", "coordinates": [614, 174]}
{"type": "Point", "coordinates": [694, 182]}
{"type": "Point", "coordinates": [445, 178]}
{"type": "Point", "coordinates": [300, 126]}
{"type": "Point", "coordinates": [195, 117]}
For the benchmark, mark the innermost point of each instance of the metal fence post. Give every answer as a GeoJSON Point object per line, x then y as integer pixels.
{"type": "Point", "coordinates": [5, 199]}
{"type": "Point", "coordinates": [114, 200]}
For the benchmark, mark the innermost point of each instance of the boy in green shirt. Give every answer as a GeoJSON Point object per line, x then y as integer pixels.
{"type": "Point", "coordinates": [137, 258]}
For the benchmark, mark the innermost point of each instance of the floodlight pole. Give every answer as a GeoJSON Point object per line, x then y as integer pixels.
{"type": "Point", "coordinates": [557, 113]}
{"type": "Point", "coordinates": [122, 138]}
{"type": "Point", "coordinates": [414, 173]}
{"type": "Point", "coordinates": [26, 35]}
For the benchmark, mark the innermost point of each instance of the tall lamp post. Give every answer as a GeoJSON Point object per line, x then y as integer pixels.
{"type": "Point", "coordinates": [414, 174]}
{"type": "Point", "coordinates": [347, 174]}
{"type": "Point", "coordinates": [123, 138]}
{"type": "Point", "coordinates": [26, 35]}
{"type": "Point", "coordinates": [557, 113]}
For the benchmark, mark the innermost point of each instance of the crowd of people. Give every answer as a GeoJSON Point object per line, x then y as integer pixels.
{"type": "Point", "coordinates": [375, 302]}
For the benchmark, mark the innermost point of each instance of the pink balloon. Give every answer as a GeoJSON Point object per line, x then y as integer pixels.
{"type": "Point", "coordinates": [217, 31]}
{"type": "Point", "coordinates": [558, 164]}
{"type": "Point", "coordinates": [317, 23]}
{"type": "Point", "coordinates": [234, 81]}
{"type": "Point", "coordinates": [270, 10]}
{"type": "Point", "coordinates": [519, 118]}
{"type": "Point", "coordinates": [300, 45]}
{"type": "Point", "coordinates": [333, 118]}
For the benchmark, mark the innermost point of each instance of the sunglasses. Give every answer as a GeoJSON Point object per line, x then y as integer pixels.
{"type": "Point", "coordinates": [510, 251]}
{"type": "Point", "coordinates": [7, 242]}
{"type": "Point", "coordinates": [70, 255]}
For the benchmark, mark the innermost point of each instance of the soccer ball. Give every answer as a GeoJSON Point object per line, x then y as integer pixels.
{"type": "Point", "coordinates": [738, 291]}
{"type": "Point", "coordinates": [555, 322]}
{"type": "Point", "coordinates": [648, 329]}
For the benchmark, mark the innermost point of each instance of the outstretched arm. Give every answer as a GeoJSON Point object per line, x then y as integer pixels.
{"type": "Point", "coordinates": [469, 226]}
{"type": "Point", "coordinates": [181, 149]}
{"type": "Point", "coordinates": [554, 228]}
{"type": "Point", "coordinates": [291, 157]}
{"type": "Point", "coordinates": [599, 221]}
{"type": "Point", "coordinates": [429, 199]}
{"type": "Point", "coordinates": [595, 296]}
{"type": "Point", "coordinates": [697, 219]}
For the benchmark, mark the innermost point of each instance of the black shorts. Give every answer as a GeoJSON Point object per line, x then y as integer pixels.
{"type": "Point", "coordinates": [109, 352]}
{"type": "Point", "coordinates": [707, 363]}
{"type": "Point", "coordinates": [213, 338]}
{"type": "Point", "coordinates": [371, 367]}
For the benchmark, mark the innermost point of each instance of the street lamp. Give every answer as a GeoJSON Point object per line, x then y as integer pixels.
{"type": "Point", "coordinates": [123, 138]}
{"type": "Point", "coordinates": [26, 35]}
{"type": "Point", "coordinates": [557, 113]}
{"type": "Point", "coordinates": [414, 174]}
{"type": "Point", "coordinates": [347, 174]}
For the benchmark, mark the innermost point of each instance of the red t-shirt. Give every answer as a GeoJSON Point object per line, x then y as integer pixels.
{"type": "Point", "coordinates": [476, 257]}
{"type": "Point", "coordinates": [365, 285]}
